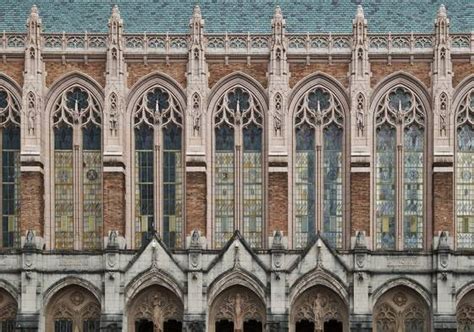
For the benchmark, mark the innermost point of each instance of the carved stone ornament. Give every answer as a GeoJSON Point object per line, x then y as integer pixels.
{"type": "Point", "coordinates": [443, 114]}
{"type": "Point", "coordinates": [238, 304]}
{"type": "Point", "coordinates": [319, 305]}
{"type": "Point", "coordinates": [31, 113]}
{"type": "Point", "coordinates": [157, 305]}
{"type": "Point", "coordinates": [278, 115]}
{"type": "Point", "coordinates": [195, 239]}
{"type": "Point", "coordinates": [398, 309]}
{"type": "Point", "coordinates": [465, 312]}
{"type": "Point", "coordinates": [360, 258]}
{"type": "Point", "coordinates": [196, 114]}
{"type": "Point", "coordinates": [360, 116]}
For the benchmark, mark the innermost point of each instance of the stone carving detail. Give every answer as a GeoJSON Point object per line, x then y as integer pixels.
{"type": "Point", "coordinates": [319, 305]}
{"type": "Point", "coordinates": [465, 312]}
{"type": "Point", "coordinates": [31, 113]}
{"type": "Point", "coordinates": [278, 115]}
{"type": "Point", "coordinates": [196, 115]}
{"type": "Point", "coordinates": [238, 305]}
{"type": "Point", "coordinates": [400, 309]}
{"type": "Point", "coordinates": [360, 116]}
{"type": "Point", "coordinates": [8, 307]}
{"type": "Point", "coordinates": [157, 305]}
{"type": "Point", "coordinates": [75, 304]}
{"type": "Point", "coordinates": [443, 114]}
{"type": "Point", "coordinates": [114, 114]}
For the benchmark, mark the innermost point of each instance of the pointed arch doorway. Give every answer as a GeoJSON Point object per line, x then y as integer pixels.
{"type": "Point", "coordinates": [155, 309]}
{"type": "Point", "coordinates": [237, 309]}
{"type": "Point", "coordinates": [319, 309]}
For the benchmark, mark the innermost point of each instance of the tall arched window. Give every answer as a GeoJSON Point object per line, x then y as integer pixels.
{"type": "Point", "coordinates": [158, 131]}
{"type": "Point", "coordinates": [318, 167]}
{"type": "Point", "coordinates": [238, 167]}
{"type": "Point", "coordinates": [77, 122]}
{"type": "Point", "coordinates": [465, 172]}
{"type": "Point", "coordinates": [10, 168]}
{"type": "Point", "coordinates": [400, 169]}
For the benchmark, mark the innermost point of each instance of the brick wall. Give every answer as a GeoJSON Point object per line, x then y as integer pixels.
{"type": "Point", "coordinates": [257, 70]}
{"type": "Point", "coordinates": [277, 202]}
{"type": "Point", "coordinates": [114, 202]}
{"type": "Point", "coordinates": [196, 202]}
{"type": "Point", "coordinates": [31, 202]}
{"type": "Point", "coordinates": [13, 69]}
{"type": "Point", "coordinates": [360, 202]}
{"type": "Point", "coordinates": [339, 71]}
{"type": "Point", "coordinates": [461, 70]}
{"type": "Point", "coordinates": [443, 204]}
{"type": "Point", "coordinates": [177, 70]}
{"type": "Point", "coordinates": [421, 70]}
{"type": "Point", "coordinates": [55, 70]}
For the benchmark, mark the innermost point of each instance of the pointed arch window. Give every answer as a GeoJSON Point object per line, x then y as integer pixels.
{"type": "Point", "coordinates": [465, 172]}
{"type": "Point", "coordinates": [318, 167]}
{"type": "Point", "coordinates": [77, 123]}
{"type": "Point", "coordinates": [238, 167]}
{"type": "Point", "coordinates": [158, 132]}
{"type": "Point", "coordinates": [10, 168]}
{"type": "Point", "coordinates": [400, 137]}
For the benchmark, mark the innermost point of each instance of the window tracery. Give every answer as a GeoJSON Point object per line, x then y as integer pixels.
{"type": "Point", "coordinates": [465, 313]}
{"type": "Point", "coordinates": [158, 129]}
{"type": "Point", "coordinates": [77, 124]}
{"type": "Point", "coordinates": [10, 168]}
{"type": "Point", "coordinates": [318, 160]}
{"type": "Point", "coordinates": [8, 312]}
{"type": "Point", "coordinates": [465, 172]}
{"type": "Point", "coordinates": [239, 139]}
{"type": "Point", "coordinates": [399, 177]}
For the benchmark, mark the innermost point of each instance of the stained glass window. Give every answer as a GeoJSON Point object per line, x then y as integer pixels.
{"type": "Point", "coordinates": [465, 173]}
{"type": "Point", "coordinates": [385, 187]}
{"type": "Point", "coordinates": [319, 155]}
{"type": "Point", "coordinates": [10, 167]}
{"type": "Point", "coordinates": [399, 139]}
{"type": "Point", "coordinates": [158, 168]}
{"type": "Point", "coordinates": [238, 168]}
{"type": "Point", "coordinates": [77, 170]}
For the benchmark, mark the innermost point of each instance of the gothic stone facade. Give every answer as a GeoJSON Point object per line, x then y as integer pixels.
{"type": "Point", "coordinates": [352, 255]}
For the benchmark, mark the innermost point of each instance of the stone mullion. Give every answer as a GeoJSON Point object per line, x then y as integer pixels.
{"type": "Point", "coordinates": [158, 180]}
{"type": "Point", "coordinates": [399, 193]}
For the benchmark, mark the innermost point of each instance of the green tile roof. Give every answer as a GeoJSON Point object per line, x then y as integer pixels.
{"type": "Point", "coordinates": [237, 15]}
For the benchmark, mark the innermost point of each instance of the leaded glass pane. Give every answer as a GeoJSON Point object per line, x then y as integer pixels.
{"type": "Point", "coordinates": [332, 196]}
{"type": "Point", "coordinates": [172, 187]}
{"type": "Point", "coordinates": [144, 184]}
{"type": "Point", "coordinates": [413, 187]}
{"type": "Point", "coordinates": [385, 187]}
{"type": "Point", "coordinates": [305, 182]}
{"type": "Point", "coordinates": [465, 186]}
{"type": "Point", "coordinates": [253, 196]}
{"type": "Point", "coordinates": [63, 188]}
{"type": "Point", "coordinates": [10, 185]}
{"type": "Point", "coordinates": [91, 326]}
{"type": "Point", "coordinates": [8, 326]}
{"type": "Point", "coordinates": [224, 185]}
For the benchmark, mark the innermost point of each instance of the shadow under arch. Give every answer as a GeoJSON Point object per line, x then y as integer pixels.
{"type": "Point", "coordinates": [461, 91]}
{"type": "Point", "coordinates": [409, 283]}
{"type": "Point", "coordinates": [12, 86]}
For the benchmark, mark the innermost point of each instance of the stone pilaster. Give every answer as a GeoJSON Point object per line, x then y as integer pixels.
{"type": "Point", "coordinates": [278, 90]}
{"type": "Point", "coordinates": [360, 88]}
{"type": "Point", "coordinates": [195, 316]}
{"type": "Point", "coordinates": [197, 87]}
{"type": "Point", "coordinates": [442, 89]}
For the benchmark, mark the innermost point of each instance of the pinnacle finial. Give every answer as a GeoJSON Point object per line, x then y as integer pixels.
{"type": "Point", "coordinates": [360, 11]}
{"type": "Point", "coordinates": [442, 11]}
{"type": "Point", "coordinates": [115, 11]}
{"type": "Point", "coordinates": [34, 9]}
{"type": "Point", "coordinates": [197, 10]}
{"type": "Point", "coordinates": [278, 11]}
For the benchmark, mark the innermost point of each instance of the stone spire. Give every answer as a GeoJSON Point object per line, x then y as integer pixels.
{"type": "Point", "coordinates": [115, 61]}
{"type": "Point", "coordinates": [278, 63]}
{"type": "Point", "coordinates": [360, 47]}
{"type": "Point", "coordinates": [442, 43]}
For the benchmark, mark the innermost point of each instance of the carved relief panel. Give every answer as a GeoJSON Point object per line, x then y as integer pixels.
{"type": "Point", "coordinates": [465, 313]}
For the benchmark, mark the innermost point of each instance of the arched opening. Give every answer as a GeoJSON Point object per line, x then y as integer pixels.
{"type": "Point", "coordinates": [465, 313]}
{"type": "Point", "coordinates": [237, 309]}
{"type": "Point", "coordinates": [73, 309]}
{"type": "Point", "coordinates": [8, 309]}
{"type": "Point", "coordinates": [155, 309]}
{"type": "Point", "coordinates": [401, 309]}
{"type": "Point", "coordinates": [319, 309]}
